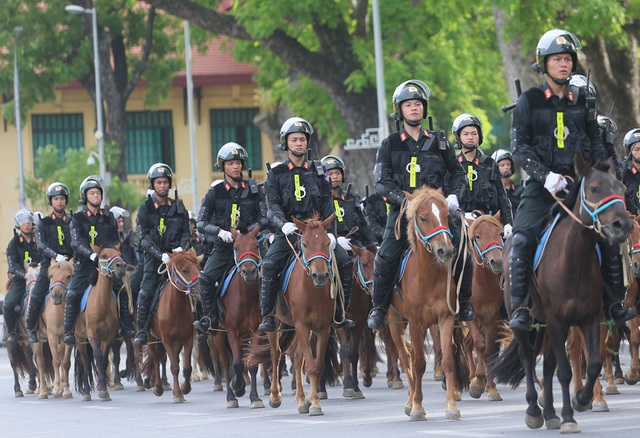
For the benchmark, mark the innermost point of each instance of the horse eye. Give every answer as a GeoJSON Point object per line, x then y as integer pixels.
{"type": "Point", "coordinates": [477, 236]}
{"type": "Point", "coordinates": [593, 189]}
{"type": "Point", "coordinates": [422, 219]}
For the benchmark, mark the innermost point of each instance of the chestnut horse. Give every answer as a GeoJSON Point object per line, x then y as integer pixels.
{"type": "Point", "coordinates": [172, 323]}
{"type": "Point", "coordinates": [566, 292]}
{"type": "Point", "coordinates": [632, 376]}
{"type": "Point", "coordinates": [51, 328]}
{"type": "Point", "coordinates": [241, 310]}
{"type": "Point", "coordinates": [310, 299]}
{"type": "Point", "coordinates": [485, 241]}
{"type": "Point", "coordinates": [427, 296]}
{"type": "Point", "coordinates": [98, 324]}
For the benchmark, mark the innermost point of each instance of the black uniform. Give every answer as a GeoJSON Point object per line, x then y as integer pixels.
{"type": "Point", "coordinates": [376, 210]}
{"type": "Point", "coordinates": [223, 207]}
{"type": "Point", "coordinates": [88, 229]}
{"type": "Point", "coordinates": [538, 151]}
{"type": "Point", "coordinates": [514, 191]}
{"type": "Point", "coordinates": [161, 229]}
{"type": "Point", "coordinates": [19, 252]}
{"type": "Point", "coordinates": [436, 160]}
{"type": "Point", "coordinates": [286, 199]}
{"type": "Point", "coordinates": [53, 236]}
{"type": "Point", "coordinates": [631, 179]}
{"type": "Point", "coordinates": [484, 190]}
{"type": "Point", "coordinates": [349, 216]}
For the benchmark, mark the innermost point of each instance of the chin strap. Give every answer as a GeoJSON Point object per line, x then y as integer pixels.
{"type": "Point", "coordinates": [412, 123]}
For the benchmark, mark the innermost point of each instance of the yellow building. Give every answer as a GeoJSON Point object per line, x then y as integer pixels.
{"type": "Point", "coordinates": [224, 108]}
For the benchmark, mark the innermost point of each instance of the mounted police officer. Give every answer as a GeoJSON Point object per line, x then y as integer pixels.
{"type": "Point", "coordinates": [22, 250]}
{"type": "Point", "coordinates": [484, 190]}
{"type": "Point", "coordinates": [228, 203]}
{"type": "Point", "coordinates": [506, 167]}
{"type": "Point", "coordinates": [296, 188]}
{"type": "Point", "coordinates": [551, 123]}
{"type": "Point", "coordinates": [631, 170]}
{"type": "Point", "coordinates": [53, 236]}
{"type": "Point", "coordinates": [408, 159]}
{"type": "Point", "coordinates": [92, 225]}
{"type": "Point", "coordinates": [162, 227]}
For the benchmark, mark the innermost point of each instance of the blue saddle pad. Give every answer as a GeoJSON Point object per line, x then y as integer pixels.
{"type": "Point", "coordinates": [85, 296]}
{"type": "Point", "coordinates": [225, 284]}
{"type": "Point", "coordinates": [545, 239]}
{"type": "Point", "coordinates": [23, 306]}
{"type": "Point", "coordinates": [403, 264]}
{"type": "Point", "coordinates": [286, 275]}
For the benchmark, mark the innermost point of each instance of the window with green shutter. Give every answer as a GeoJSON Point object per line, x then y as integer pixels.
{"type": "Point", "coordinates": [65, 131]}
{"type": "Point", "coordinates": [149, 140]}
{"type": "Point", "coordinates": [236, 125]}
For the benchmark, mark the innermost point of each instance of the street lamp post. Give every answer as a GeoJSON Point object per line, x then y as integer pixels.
{"type": "Point", "coordinates": [75, 9]}
{"type": "Point", "coordinates": [16, 87]}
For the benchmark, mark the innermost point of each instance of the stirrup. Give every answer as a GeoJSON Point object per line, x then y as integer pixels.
{"type": "Point", "coordinates": [268, 324]}
{"type": "Point", "coordinates": [33, 337]}
{"type": "Point", "coordinates": [70, 339]}
{"type": "Point", "coordinates": [520, 320]}
{"type": "Point", "coordinates": [141, 338]}
{"type": "Point", "coordinates": [376, 319]}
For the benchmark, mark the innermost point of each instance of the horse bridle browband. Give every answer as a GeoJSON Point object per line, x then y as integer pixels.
{"type": "Point", "coordinates": [105, 269]}
{"type": "Point", "coordinates": [425, 239]}
{"type": "Point", "coordinates": [179, 278]}
{"type": "Point", "coordinates": [246, 257]}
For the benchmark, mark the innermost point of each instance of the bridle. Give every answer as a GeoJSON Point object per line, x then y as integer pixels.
{"type": "Point", "coordinates": [105, 267]}
{"type": "Point", "coordinates": [425, 239]}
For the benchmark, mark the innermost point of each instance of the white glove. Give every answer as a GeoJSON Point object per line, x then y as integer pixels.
{"type": "Point", "coordinates": [271, 238]}
{"type": "Point", "coordinates": [178, 249]}
{"type": "Point", "coordinates": [226, 236]}
{"type": "Point", "coordinates": [452, 203]}
{"type": "Point", "coordinates": [332, 238]}
{"type": "Point", "coordinates": [507, 231]}
{"type": "Point", "coordinates": [289, 228]}
{"type": "Point", "coordinates": [61, 258]}
{"type": "Point", "coordinates": [345, 243]}
{"type": "Point", "coordinates": [93, 256]}
{"type": "Point", "coordinates": [165, 258]}
{"type": "Point", "coordinates": [552, 180]}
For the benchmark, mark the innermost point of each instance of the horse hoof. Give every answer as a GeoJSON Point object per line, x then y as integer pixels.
{"type": "Point", "coordinates": [315, 411]}
{"type": "Point", "coordinates": [322, 395]}
{"type": "Point", "coordinates": [417, 416]}
{"type": "Point", "coordinates": [611, 390]}
{"type": "Point", "coordinates": [19, 394]}
{"type": "Point", "coordinates": [257, 404]}
{"type": "Point", "coordinates": [43, 396]}
{"type": "Point", "coordinates": [30, 391]}
{"type": "Point", "coordinates": [275, 404]}
{"type": "Point", "coordinates": [195, 378]}
{"type": "Point", "coordinates": [600, 407]}
{"type": "Point", "coordinates": [367, 381]}
{"type": "Point", "coordinates": [104, 395]}
{"type": "Point", "coordinates": [553, 423]}
{"type": "Point", "coordinates": [232, 404]}
{"type": "Point", "coordinates": [452, 414]}
{"type": "Point", "coordinates": [495, 397]}
{"type": "Point", "coordinates": [457, 395]}
{"type": "Point", "coordinates": [177, 400]}
{"type": "Point", "coordinates": [185, 388]}
{"type": "Point", "coordinates": [358, 396]}
{"type": "Point", "coordinates": [577, 406]}
{"type": "Point", "coordinates": [348, 393]}
{"type": "Point", "coordinates": [158, 391]}
{"type": "Point", "coordinates": [303, 409]}
{"type": "Point", "coordinates": [439, 377]}
{"type": "Point", "coordinates": [618, 381]}
{"type": "Point", "coordinates": [57, 394]}
{"type": "Point", "coordinates": [476, 391]}
{"type": "Point", "coordinates": [118, 387]}
{"type": "Point", "coordinates": [267, 392]}
{"type": "Point", "coordinates": [569, 428]}
{"type": "Point", "coordinates": [629, 381]}
{"type": "Point", "coordinates": [407, 409]}
{"type": "Point", "coordinates": [140, 388]}
{"type": "Point", "coordinates": [240, 392]}
{"type": "Point", "coordinates": [533, 422]}
{"type": "Point", "coordinates": [217, 387]}
{"type": "Point", "coordinates": [395, 384]}
{"type": "Point", "coordinates": [67, 395]}
{"type": "Point", "coordinates": [167, 387]}
{"type": "Point", "coordinates": [86, 397]}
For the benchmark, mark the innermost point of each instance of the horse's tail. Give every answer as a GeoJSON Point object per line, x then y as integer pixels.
{"type": "Point", "coordinates": [147, 367]}
{"type": "Point", "coordinates": [80, 371]}
{"type": "Point", "coordinates": [204, 353]}
{"type": "Point", "coordinates": [460, 357]}
{"type": "Point", "coordinates": [49, 372]}
{"type": "Point", "coordinates": [129, 372]}
{"type": "Point", "coordinates": [332, 368]}
{"type": "Point", "coordinates": [506, 367]}
{"type": "Point", "coordinates": [367, 348]}
{"type": "Point", "coordinates": [19, 356]}
{"type": "Point", "coordinates": [260, 352]}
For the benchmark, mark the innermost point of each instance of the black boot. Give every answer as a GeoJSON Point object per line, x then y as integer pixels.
{"type": "Point", "coordinates": [383, 280]}
{"type": "Point", "coordinates": [268, 292]}
{"type": "Point", "coordinates": [519, 278]}
{"type": "Point", "coordinates": [10, 324]}
{"type": "Point", "coordinates": [209, 320]}
{"type": "Point", "coordinates": [144, 302]}
{"type": "Point", "coordinates": [346, 278]}
{"type": "Point", "coordinates": [33, 313]}
{"type": "Point", "coordinates": [614, 289]}
{"type": "Point", "coordinates": [71, 310]}
{"type": "Point", "coordinates": [466, 312]}
{"type": "Point", "coordinates": [126, 321]}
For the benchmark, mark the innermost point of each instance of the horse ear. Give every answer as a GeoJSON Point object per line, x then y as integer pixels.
{"type": "Point", "coordinates": [581, 167]}
{"type": "Point", "coordinates": [327, 221]}
{"type": "Point", "coordinates": [299, 224]}
{"type": "Point", "coordinates": [357, 250]}
{"type": "Point", "coordinates": [497, 215]}
{"type": "Point", "coordinates": [255, 231]}
{"type": "Point", "coordinates": [94, 248]}
{"type": "Point", "coordinates": [408, 195]}
{"type": "Point", "coordinates": [234, 232]}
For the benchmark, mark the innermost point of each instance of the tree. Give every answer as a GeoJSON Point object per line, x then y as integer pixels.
{"type": "Point", "coordinates": [316, 59]}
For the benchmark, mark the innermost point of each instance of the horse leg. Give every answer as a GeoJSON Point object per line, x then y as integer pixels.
{"type": "Point", "coordinates": [557, 339]}
{"type": "Point", "coordinates": [38, 350]}
{"type": "Point", "coordinates": [303, 406]}
{"type": "Point", "coordinates": [402, 349]}
{"type": "Point", "coordinates": [345, 353]}
{"type": "Point", "coordinates": [84, 370]}
{"type": "Point", "coordinates": [173, 348]}
{"type": "Point", "coordinates": [393, 356]}
{"type": "Point", "coordinates": [238, 384]}
{"type": "Point", "coordinates": [446, 341]}
{"type": "Point", "coordinates": [225, 358]}
{"type": "Point", "coordinates": [153, 350]}
{"type": "Point", "coordinates": [356, 338]}
{"type": "Point", "coordinates": [275, 396]}
{"type": "Point", "coordinates": [549, 365]}
{"type": "Point", "coordinates": [315, 369]}
{"type": "Point", "coordinates": [609, 349]}
{"type": "Point", "coordinates": [418, 367]}
{"type": "Point", "coordinates": [115, 349]}
{"type": "Point", "coordinates": [438, 373]}
{"type": "Point", "coordinates": [187, 369]}
{"type": "Point", "coordinates": [478, 382]}
{"type": "Point", "coordinates": [101, 354]}
{"type": "Point", "coordinates": [533, 415]}
{"type": "Point", "coordinates": [593, 345]}
{"type": "Point", "coordinates": [57, 353]}
{"type": "Point", "coordinates": [632, 375]}
{"type": "Point", "coordinates": [66, 366]}
{"type": "Point", "coordinates": [490, 340]}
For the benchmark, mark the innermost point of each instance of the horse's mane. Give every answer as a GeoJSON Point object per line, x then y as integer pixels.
{"type": "Point", "coordinates": [420, 196]}
{"type": "Point", "coordinates": [184, 257]}
{"type": "Point", "coordinates": [63, 266]}
{"type": "Point", "coordinates": [482, 219]}
{"type": "Point", "coordinates": [242, 228]}
{"type": "Point", "coordinates": [314, 221]}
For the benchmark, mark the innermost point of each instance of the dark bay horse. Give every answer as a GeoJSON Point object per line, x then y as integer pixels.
{"type": "Point", "coordinates": [358, 310]}
{"type": "Point", "coordinates": [51, 329]}
{"type": "Point", "coordinates": [241, 310]}
{"type": "Point", "coordinates": [485, 241]}
{"type": "Point", "coordinates": [427, 296]}
{"type": "Point", "coordinates": [311, 304]}
{"type": "Point", "coordinates": [567, 291]}
{"type": "Point", "coordinates": [98, 324]}
{"type": "Point", "coordinates": [172, 323]}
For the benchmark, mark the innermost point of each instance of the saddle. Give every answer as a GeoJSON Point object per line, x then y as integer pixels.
{"type": "Point", "coordinates": [85, 297]}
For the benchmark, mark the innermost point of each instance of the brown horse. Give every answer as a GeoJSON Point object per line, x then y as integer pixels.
{"type": "Point", "coordinates": [485, 241]}
{"type": "Point", "coordinates": [172, 323]}
{"type": "Point", "coordinates": [427, 296]}
{"type": "Point", "coordinates": [566, 292]}
{"type": "Point", "coordinates": [20, 353]}
{"type": "Point", "coordinates": [98, 324]}
{"type": "Point", "coordinates": [241, 310]}
{"type": "Point", "coordinates": [358, 311]}
{"type": "Point", "coordinates": [52, 329]}
{"type": "Point", "coordinates": [311, 304]}
{"type": "Point", "coordinates": [632, 376]}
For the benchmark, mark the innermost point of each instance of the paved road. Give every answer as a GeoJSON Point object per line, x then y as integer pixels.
{"type": "Point", "coordinates": [132, 414]}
